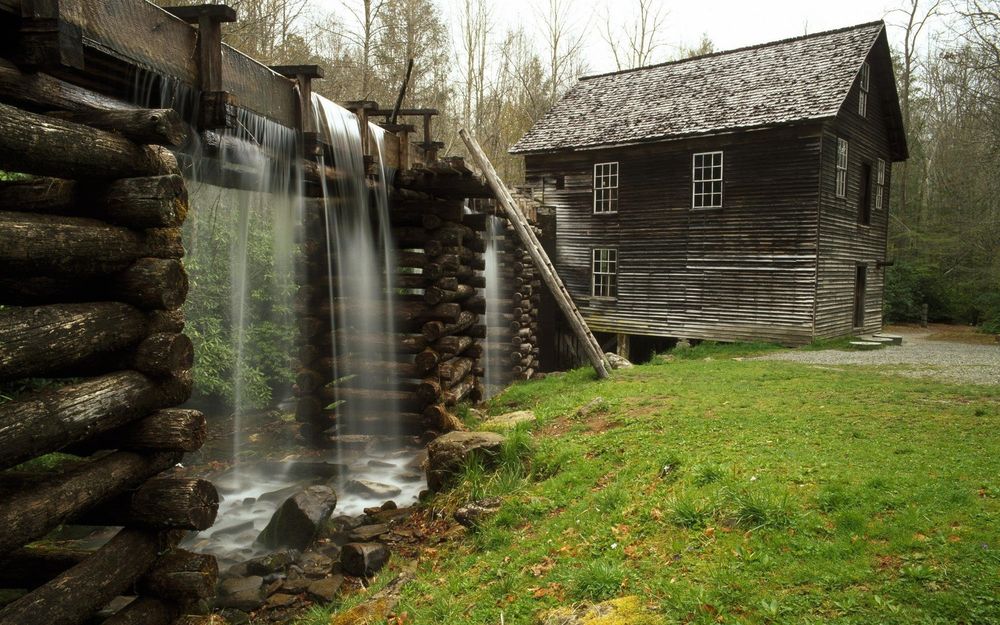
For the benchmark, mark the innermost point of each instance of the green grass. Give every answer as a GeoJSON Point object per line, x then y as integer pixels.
{"type": "Point", "coordinates": [794, 495]}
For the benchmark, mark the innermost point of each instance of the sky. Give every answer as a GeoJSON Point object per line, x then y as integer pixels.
{"type": "Point", "coordinates": [728, 23]}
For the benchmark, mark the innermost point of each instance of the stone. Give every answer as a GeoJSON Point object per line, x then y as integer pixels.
{"type": "Point", "coordinates": [235, 617]}
{"type": "Point", "coordinates": [389, 505]}
{"type": "Point", "coordinates": [295, 583]}
{"type": "Point", "coordinates": [387, 516]}
{"type": "Point", "coordinates": [368, 488]}
{"type": "Point", "coordinates": [378, 608]}
{"type": "Point", "coordinates": [299, 518]}
{"type": "Point", "coordinates": [473, 514]}
{"type": "Point", "coordinates": [241, 593]}
{"type": "Point", "coordinates": [325, 590]}
{"type": "Point", "coordinates": [618, 362]}
{"type": "Point", "coordinates": [281, 600]}
{"type": "Point", "coordinates": [621, 610]}
{"type": "Point", "coordinates": [315, 564]}
{"type": "Point", "coordinates": [367, 533]}
{"type": "Point", "coordinates": [448, 454]}
{"type": "Point", "coordinates": [509, 420]}
{"type": "Point", "coordinates": [363, 559]}
{"type": "Point", "coordinates": [410, 476]}
{"type": "Point", "coordinates": [272, 563]}
{"type": "Point", "coordinates": [596, 404]}
{"type": "Point", "coordinates": [380, 464]}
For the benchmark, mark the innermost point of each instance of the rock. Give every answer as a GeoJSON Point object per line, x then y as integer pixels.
{"type": "Point", "coordinates": [380, 464]}
{"type": "Point", "coordinates": [297, 521]}
{"type": "Point", "coordinates": [295, 583]}
{"type": "Point", "coordinates": [241, 593]}
{"type": "Point", "coordinates": [315, 564]}
{"type": "Point", "coordinates": [387, 516]}
{"type": "Point", "coordinates": [476, 512]}
{"type": "Point", "coordinates": [281, 600]}
{"type": "Point", "coordinates": [325, 590]}
{"type": "Point", "coordinates": [448, 454]}
{"type": "Point", "coordinates": [596, 404]}
{"type": "Point", "coordinates": [510, 419]}
{"type": "Point", "coordinates": [389, 505]}
{"type": "Point", "coordinates": [237, 570]}
{"type": "Point", "coordinates": [271, 563]}
{"type": "Point", "coordinates": [621, 610]}
{"type": "Point", "coordinates": [618, 362]}
{"type": "Point", "coordinates": [367, 533]}
{"type": "Point", "coordinates": [410, 476]}
{"type": "Point", "coordinates": [367, 488]}
{"type": "Point", "coordinates": [416, 463]}
{"type": "Point", "coordinates": [235, 617]}
{"type": "Point", "coordinates": [363, 559]}
{"type": "Point", "coordinates": [234, 529]}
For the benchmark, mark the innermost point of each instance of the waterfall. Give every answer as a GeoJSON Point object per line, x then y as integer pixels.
{"type": "Point", "coordinates": [494, 366]}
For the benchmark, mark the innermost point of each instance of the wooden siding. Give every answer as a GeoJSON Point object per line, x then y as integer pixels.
{"type": "Point", "coordinates": [746, 271]}
{"type": "Point", "coordinates": [843, 242]}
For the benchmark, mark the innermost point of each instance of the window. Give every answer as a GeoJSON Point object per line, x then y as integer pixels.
{"type": "Point", "coordinates": [879, 183]}
{"type": "Point", "coordinates": [863, 94]}
{"type": "Point", "coordinates": [865, 199]}
{"type": "Point", "coordinates": [841, 168]}
{"type": "Point", "coordinates": [706, 177]}
{"type": "Point", "coordinates": [605, 188]}
{"type": "Point", "coordinates": [605, 272]}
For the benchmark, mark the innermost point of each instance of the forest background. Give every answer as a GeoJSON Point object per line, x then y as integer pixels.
{"type": "Point", "coordinates": [497, 80]}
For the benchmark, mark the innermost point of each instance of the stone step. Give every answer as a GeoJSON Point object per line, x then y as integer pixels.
{"type": "Point", "coordinates": [865, 345]}
{"type": "Point", "coordinates": [878, 339]}
{"type": "Point", "coordinates": [894, 338]}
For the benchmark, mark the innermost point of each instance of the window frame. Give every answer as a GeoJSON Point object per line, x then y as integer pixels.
{"type": "Point", "coordinates": [611, 201]}
{"type": "Point", "coordinates": [695, 181]}
{"type": "Point", "coordinates": [879, 190]}
{"type": "Point", "coordinates": [843, 150]}
{"type": "Point", "coordinates": [865, 89]}
{"type": "Point", "coordinates": [609, 262]}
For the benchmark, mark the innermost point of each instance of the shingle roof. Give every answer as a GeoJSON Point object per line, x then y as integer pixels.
{"type": "Point", "coordinates": [775, 83]}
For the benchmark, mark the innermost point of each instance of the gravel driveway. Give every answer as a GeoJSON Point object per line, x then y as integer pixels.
{"type": "Point", "coordinates": [949, 353]}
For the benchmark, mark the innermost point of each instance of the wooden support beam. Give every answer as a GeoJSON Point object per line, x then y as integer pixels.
{"type": "Point", "coordinates": [33, 509]}
{"type": "Point", "coordinates": [304, 75]}
{"type": "Point", "coordinates": [215, 103]}
{"type": "Point", "coordinates": [539, 257]}
{"type": "Point", "coordinates": [47, 39]}
{"type": "Point", "coordinates": [73, 596]}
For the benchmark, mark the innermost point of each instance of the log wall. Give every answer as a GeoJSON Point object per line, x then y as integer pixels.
{"type": "Point", "coordinates": [93, 360]}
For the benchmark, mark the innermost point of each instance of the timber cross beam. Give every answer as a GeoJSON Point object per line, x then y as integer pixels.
{"type": "Point", "coordinates": [216, 103]}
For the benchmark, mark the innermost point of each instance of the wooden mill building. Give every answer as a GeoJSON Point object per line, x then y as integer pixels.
{"type": "Point", "coordinates": [740, 195]}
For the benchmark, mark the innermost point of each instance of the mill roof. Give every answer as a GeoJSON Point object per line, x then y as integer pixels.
{"type": "Point", "coordinates": [782, 82]}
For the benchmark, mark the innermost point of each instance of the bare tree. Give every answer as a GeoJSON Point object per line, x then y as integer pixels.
{"type": "Point", "coordinates": [564, 45]}
{"type": "Point", "coordinates": [473, 44]}
{"type": "Point", "coordinates": [636, 44]}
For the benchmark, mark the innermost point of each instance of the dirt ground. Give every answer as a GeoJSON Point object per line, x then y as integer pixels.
{"type": "Point", "coordinates": [954, 353]}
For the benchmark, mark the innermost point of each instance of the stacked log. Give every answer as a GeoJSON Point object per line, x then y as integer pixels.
{"type": "Point", "coordinates": [92, 282]}
{"type": "Point", "coordinates": [512, 327]}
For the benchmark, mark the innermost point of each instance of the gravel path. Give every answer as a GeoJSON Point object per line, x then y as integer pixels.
{"type": "Point", "coordinates": [939, 352]}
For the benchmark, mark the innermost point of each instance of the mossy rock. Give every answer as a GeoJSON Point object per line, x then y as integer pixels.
{"type": "Point", "coordinates": [368, 613]}
{"type": "Point", "coordinates": [620, 611]}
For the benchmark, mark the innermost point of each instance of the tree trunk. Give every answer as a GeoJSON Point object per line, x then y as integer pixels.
{"type": "Point", "coordinates": [145, 611]}
{"type": "Point", "coordinates": [32, 566]}
{"type": "Point", "coordinates": [79, 592]}
{"type": "Point", "coordinates": [39, 340]}
{"type": "Point", "coordinates": [171, 429]}
{"type": "Point", "coordinates": [45, 92]}
{"type": "Point", "coordinates": [36, 508]}
{"type": "Point", "coordinates": [153, 283]}
{"type": "Point", "coordinates": [50, 420]}
{"type": "Point", "coordinates": [162, 503]}
{"type": "Point", "coordinates": [458, 392]}
{"type": "Point", "coordinates": [181, 577]}
{"type": "Point", "coordinates": [434, 330]}
{"type": "Point", "coordinates": [46, 146]}
{"type": "Point", "coordinates": [154, 126]}
{"type": "Point", "coordinates": [76, 246]}
{"type": "Point", "coordinates": [454, 370]}
{"type": "Point", "coordinates": [164, 354]}
{"type": "Point", "coordinates": [151, 202]}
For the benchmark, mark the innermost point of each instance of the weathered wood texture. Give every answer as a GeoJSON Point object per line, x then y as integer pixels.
{"type": "Point", "coordinates": [76, 594]}
{"type": "Point", "coordinates": [742, 272]}
{"type": "Point", "coordinates": [844, 242]}
{"type": "Point", "coordinates": [46, 146]}
{"type": "Point", "coordinates": [36, 507]}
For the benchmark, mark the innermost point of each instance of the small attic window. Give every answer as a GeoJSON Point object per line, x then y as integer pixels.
{"type": "Point", "coordinates": [863, 94]}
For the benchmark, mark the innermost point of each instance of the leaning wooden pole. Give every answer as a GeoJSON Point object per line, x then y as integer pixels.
{"type": "Point", "coordinates": [539, 257]}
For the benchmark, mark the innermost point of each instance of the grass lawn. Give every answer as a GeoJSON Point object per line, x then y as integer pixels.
{"type": "Point", "coordinates": [724, 490]}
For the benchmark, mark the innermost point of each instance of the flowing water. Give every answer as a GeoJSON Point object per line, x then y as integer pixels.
{"type": "Point", "coordinates": [495, 378]}
{"type": "Point", "coordinates": [246, 197]}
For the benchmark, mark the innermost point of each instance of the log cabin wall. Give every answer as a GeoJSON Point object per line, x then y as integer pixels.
{"type": "Point", "coordinates": [844, 242]}
{"type": "Point", "coordinates": [746, 271]}
{"type": "Point", "coordinates": [92, 346]}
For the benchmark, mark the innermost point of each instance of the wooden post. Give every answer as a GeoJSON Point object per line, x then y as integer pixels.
{"type": "Point", "coordinates": [538, 257]}
{"type": "Point", "coordinates": [215, 102]}
{"type": "Point", "coordinates": [304, 75]}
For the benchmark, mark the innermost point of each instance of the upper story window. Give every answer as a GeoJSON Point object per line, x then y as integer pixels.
{"type": "Point", "coordinates": [605, 188]}
{"type": "Point", "coordinates": [863, 93]}
{"type": "Point", "coordinates": [605, 273]}
{"type": "Point", "coordinates": [841, 167]}
{"type": "Point", "coordinates": [879, 183]}
{"type": "Point", "coordinates": [706, 180]}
